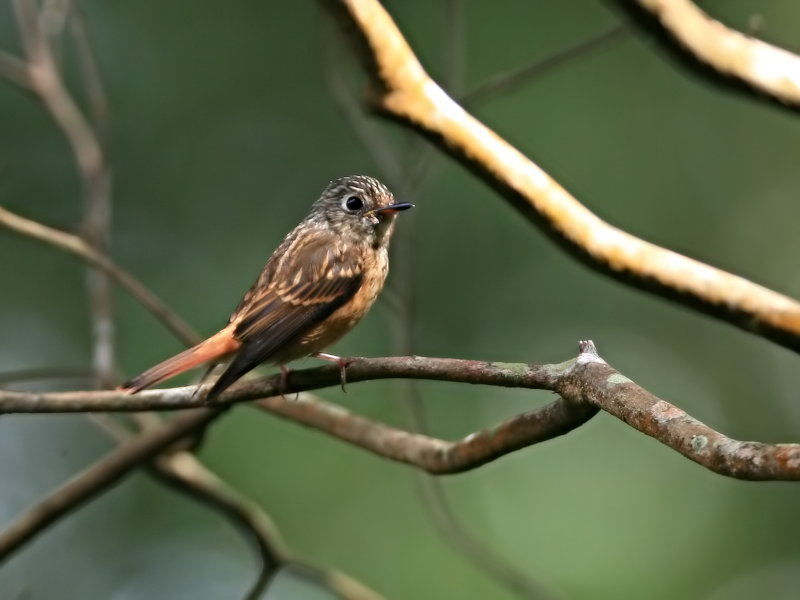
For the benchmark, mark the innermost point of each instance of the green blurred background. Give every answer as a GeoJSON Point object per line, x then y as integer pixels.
{"type": "Point", "coordinates": [223, 132]}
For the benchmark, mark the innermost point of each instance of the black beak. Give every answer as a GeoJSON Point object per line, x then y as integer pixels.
{"type": "Point", "coordinates": [393, 208]}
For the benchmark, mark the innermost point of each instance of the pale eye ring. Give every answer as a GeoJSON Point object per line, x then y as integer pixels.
{"type": "Point", "coordinates": [353, 203]}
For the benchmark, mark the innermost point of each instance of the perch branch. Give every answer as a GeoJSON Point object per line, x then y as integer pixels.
{"type": "Point", "coordinates": [586, 380]}
{"type": "Point", "coordinates": [408, 95]}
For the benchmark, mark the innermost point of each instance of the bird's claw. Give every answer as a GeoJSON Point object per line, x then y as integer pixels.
{"type": "Point", "coordinates": [343, 362]}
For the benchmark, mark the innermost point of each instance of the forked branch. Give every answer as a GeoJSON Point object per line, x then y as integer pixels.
{"type": "Point", "coordinates": [585, 384]}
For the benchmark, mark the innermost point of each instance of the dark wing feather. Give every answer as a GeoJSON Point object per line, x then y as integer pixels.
{"type": "Point", "coordinates": [303, 290]}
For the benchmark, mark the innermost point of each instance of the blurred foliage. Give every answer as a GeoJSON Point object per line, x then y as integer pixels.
{"type": "Point", "coordinates": [223, 132]}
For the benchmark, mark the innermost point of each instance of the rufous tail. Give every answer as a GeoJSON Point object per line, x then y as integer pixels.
{"type": "Point", "coordinates": [217, 346]}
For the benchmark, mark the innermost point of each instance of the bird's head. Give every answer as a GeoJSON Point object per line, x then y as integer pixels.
{"type": "Point", "coordinates": [358, 207]}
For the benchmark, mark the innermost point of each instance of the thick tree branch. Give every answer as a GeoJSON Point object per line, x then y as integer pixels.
{"type": "Point", "coordinates": [501, 374]}
{"type": "Point", "coordinates": [409, 95]}
{"type": "Point", "coordinates": [762, 66]}
{"type": "Point", "coordinates": [586, 380]}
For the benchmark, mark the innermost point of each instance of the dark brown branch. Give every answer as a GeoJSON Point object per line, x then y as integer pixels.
{"type": "Point", "coordinates": [501, 374]}
{"type": "Point", "coordinates": [585, 380]}
{"type": "Point", "coordinates": [428, 453]}
{"type": "Point", "coordinates": [99, 477]}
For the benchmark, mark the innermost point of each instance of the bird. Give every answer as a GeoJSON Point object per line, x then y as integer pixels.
{"type": "Point", "coordinates": [317, 284]}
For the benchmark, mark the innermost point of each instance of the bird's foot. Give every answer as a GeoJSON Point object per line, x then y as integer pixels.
{"type": "Point", "coordinates": [285, 372]}
{"type": "Point", "coordinates": [339, 360]}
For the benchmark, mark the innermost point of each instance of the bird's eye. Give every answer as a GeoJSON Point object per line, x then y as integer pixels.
{"type": "Point", "coordinates": [353, 203]}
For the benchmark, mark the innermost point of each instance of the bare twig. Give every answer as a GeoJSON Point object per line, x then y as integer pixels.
{"type": "Point", "coordinates": [78, 247]}
{"type": "Point", "coordinates": [456, 533]}
{"type": "Point", "coordinates": [411, 97]}
{"type": "Point", "coordinates": [46, 373]}
{"type": "Point", "coordinates": [99, 477]}
{"type": "Point", "coordinates": [502, 82]}
{"type": "Point", "coordinates": [455, 39]}
{"type": "Point", "coordinates": [182, 471]}
{"type": "Point", "coordinates": [90, 72]}
{"type": "Point", "coordinates": [47, 84]}
{"type": "Point", "coordinates": [15, 70]}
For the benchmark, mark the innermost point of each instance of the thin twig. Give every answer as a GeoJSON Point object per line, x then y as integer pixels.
{"type": "Point", "coordinates": [502, 82]}
{"type": "Point", "coordinates": [15, 71]}
{"type": "Point", "coordinates": [185, 473]}
{"type": "Point", "coordinates": [46, 373]}
{"type": "Point", "coordinates": [455, 45]}
{"type": "Point", "coordinates": [78, 247]}
{"type": "Point", "coordinates": [94, 170]}
{"type": "Point", "coordinates": [100, 477]}
{"type": "Point", "coordinates": [90, 72]}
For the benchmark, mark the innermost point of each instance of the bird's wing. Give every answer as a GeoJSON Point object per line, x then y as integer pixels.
{"type": "Point", "coordinates": [307, 284]}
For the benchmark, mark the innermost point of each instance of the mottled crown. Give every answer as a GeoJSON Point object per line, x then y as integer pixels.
{"type": "Point", "coordinates": [370, 190]}
{"type": "Point", "coordinates": [347, 206]}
